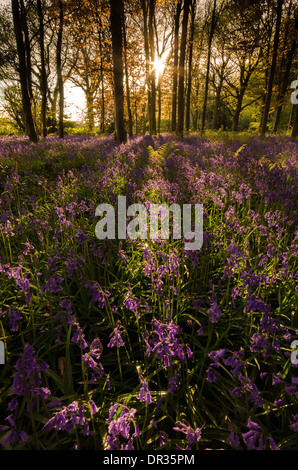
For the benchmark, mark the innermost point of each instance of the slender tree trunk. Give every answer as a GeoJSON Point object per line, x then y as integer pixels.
{"type": "Point", "coordinates": [175, 67]}
{"type": "Point", "coordinates": [116, 30]}
{"type": "Point", "coordinates": [159, 104]}
{"type": "Point", "coordinates": [217, 104]}
{"type": "Point", "coordinates": [211, 34]}
{"type": "Point", "coordinates": [17, 20]}
{"type": "Point", "coordinates": [27, 48]}
{"type": "Point", "coordinates": [180, 122]}
{"type": "Point", "coordinates": [90, 109]}
{"type": "Point", "coordinates": [284, 85]}
{"type": "Point", "coordinates": [152, 75]}
{"type": "Point", "coordinates": [273, 67]}
{"type": "Point", "coordinates": [126, 80]}
{"type": "Point", "coordinates": [237, 112]}
{"type": "Point", "coordinates": [59, 70]}
{"type": "Point", "coordinates": [189, 80]}
{"type": "Point", "coordinates": [147, 57]}
{"type": "Point", "coordinates": [102, 125]}
{"type": "Point", "coordinates": [44, 86]}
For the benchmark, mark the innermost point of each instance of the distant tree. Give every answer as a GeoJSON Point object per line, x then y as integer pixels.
{"type": "Point", "coordinates": [19, 20]}
{"type": "Point", "coordinates": [181, 68]}
{"type": "Point", "coordinates": [175, 64]}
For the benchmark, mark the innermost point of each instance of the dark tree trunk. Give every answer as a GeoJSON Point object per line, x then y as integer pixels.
{"type": "Point", "coordinates": [175, 68]}
{"type": "Point", "coordinates": [102, 125]}
{"type": "Point", "coordinates": [273, 67]}
{"type": "Point", "coordinates": [211, 34]}
{"type": "Point", "coordinates": [180, 122]}
{"type": "Point", "coordinates": [215, 124]}
{"type": "Point", "coordinates": [17, 20]}
{"type": "Point", "coordinates": [27, 48]}
{"type": "Point", "coordinates": [126, 80]}
{"type": "Point", "coordinates": [44, 87]}
{"type": "Point", "coordinates": [152, 75]}
{"type": "Point", "coordinates": [116, 30]}
{"type": "Point", "coordinates": [284, 83]}
{"type": "Point", "coordinates": [189, 81]}
{"type": "Point", "coordinates": [147, 57]}
{"type": "Point", "coordinates": [59, 70]}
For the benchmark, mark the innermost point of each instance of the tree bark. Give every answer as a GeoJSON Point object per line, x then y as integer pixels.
{"type": "Point", "coordinates": [180, 122]}
{"type": "Point", "coordinates": [44, 87]}
{"type": "Point", "coordinates": [126, 80]}
{"type": "Point", "coordinates": [189, 80]}
{"type": "Point", "coordinates": [175, 67]}
{"type": "Point", "coordinates": [23, 73]}
{"type": "Point", "coordinates": [147, 57]}
{"type": "Point", "coordinates": [116, 13]}
{"type": "Point", "coordinates": [273, 67]}
{"type": "Point", "coordinates": [102, 124]}
{"type": "Point", "coordinates": [59, 70]}
{"type": "Point", "coordinates": [284, 84]}
{"type": "Point", "coordinates": [152, 75]}
{"type": "Point", "coordinates": [211, 34]}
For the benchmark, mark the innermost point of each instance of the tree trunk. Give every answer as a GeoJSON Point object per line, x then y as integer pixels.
{"type": "Point", "coordinates": [102, 125]}
{"type": "Point", "coordinates": [175, 67]}
{"type": "Point", "coordinates": [116, 30]}
{"type": "Point", "coordinates": [217, 104]}
{"type": "Point", "coordinates": [126, 80]}
{"type": "Point", "coordinates": [159, 104]}
{"type": "Point", "coordinates": [180, 122]}
{"type": "Point", "coordinates": [189, 81]}
{"type": "Point", "coordinates": [90, 110]}
{"type": "Point", "coordinates": [212, 29]}
{"type": "Point", "coordinates": [44, 87]}
{"type": "Point", "coordinates": [237, 112]}
{"type": "Point", "coordinates": [17, 20]}
{"type": "Point", "coordinates": [273, 67]}
{"type": "Point", "coordinates": [152, 75]}
{"type": "Point", "coordinates": [147, 57]}
{"type": "Point", "coordinates": [284, 84]}
{"type": "Point", "coordinates": [59, 70]}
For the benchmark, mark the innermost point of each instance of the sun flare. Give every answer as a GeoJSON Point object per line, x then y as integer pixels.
{"type": "Point", "coordinates": [159, 66]}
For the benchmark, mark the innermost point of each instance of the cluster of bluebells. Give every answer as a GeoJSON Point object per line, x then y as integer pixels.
{"type": "Point", "coordinates": [12, 435]}
{"type": "Point", "coordinates": [91, 360]}
{"type": "Point", "coordinates": [191, 435]}
{"type": "Point", "coordinates": [255, 438]}
{"type": "Point", "coordinates": [68, 318]}
{"type": "Point", "coordinates": [73, 416]}
{"type": "Point", "coordinates": [122, 428]}
{"type": "Point", "coordinates": [116, 336]}
{"type": "Point", "coordinates": [247, 388]}
{"type": "Point", "coordinates": [165, 343]}
{"type": "Point", "coordinates": [27, 381]}
{"type": "Point", "coordinates": [144, 394]}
